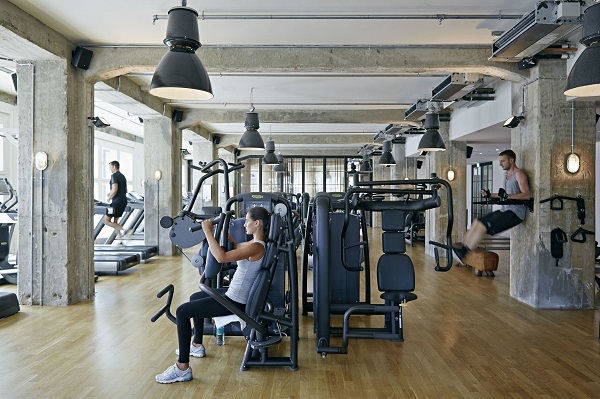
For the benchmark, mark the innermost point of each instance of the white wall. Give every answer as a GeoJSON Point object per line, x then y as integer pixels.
{"type": "Point", "coordinates": [488, 113]}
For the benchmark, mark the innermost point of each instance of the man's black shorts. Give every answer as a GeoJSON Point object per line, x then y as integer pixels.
{"type": "Point", "coordinates": [499, 221]}
{"type": "Point", "coordinates": [119, 208]}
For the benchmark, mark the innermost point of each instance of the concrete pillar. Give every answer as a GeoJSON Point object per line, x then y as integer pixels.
{"type": "Point", "coordinates": [405, 166]}
{"type": "Point", "coordinates": [162, 143]}
{"type": "Point", "coordinates": [436, 220]}
{"type": "Point", "coordinates": [541, 142]}
{"type": "Point", "coordinates": [55, 236]}
{"type": "Point", "coordinates": [380, 173]}
{"type": "Point", "coordinates": [204, 151]}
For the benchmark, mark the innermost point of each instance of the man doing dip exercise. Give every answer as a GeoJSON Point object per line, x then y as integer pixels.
{"type": "Point", "coordinates": [515, 186]}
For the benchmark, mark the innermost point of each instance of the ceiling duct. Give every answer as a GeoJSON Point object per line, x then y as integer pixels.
{"type": "Point", "coordinates": [456, 86]}
{"type": "Point", "coordinates": [370, 149]}
{"type": "Point", "coordinates": [549, 22]}
{"type": "Point", "coordinates": [416, 111]}
{"type": "Point", "coordinates": [390, 130]}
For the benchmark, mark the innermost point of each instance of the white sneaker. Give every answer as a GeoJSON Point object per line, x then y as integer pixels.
{"type": "Point", "coordinates": [173, 374]}
{"type": "Point", "coordinates": [196, 351]}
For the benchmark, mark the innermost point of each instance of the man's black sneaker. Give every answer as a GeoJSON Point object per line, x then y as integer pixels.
{"type": "Point", "coordinates": [459, 253]}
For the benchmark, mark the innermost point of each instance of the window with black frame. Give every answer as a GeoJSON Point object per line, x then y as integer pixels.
{"type": "Point", "coordinates": [481, 178]}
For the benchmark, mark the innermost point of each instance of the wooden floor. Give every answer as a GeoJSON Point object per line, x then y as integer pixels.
{"type": "Point", "coordinates": [465, 337]}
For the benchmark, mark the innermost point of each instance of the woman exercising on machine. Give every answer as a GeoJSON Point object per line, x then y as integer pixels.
{"type": "Point", "coordinates": [248, 256]}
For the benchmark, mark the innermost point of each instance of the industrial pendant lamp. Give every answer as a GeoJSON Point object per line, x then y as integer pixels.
{"type": "Point", "coordinates": [180, 75]}
{"type": "Point", "coordinates": [280, 167]}
{"type": "Point", "coordinates": [387, 159]}
{"type": "Point", "coordinates": [365, 165]}
{"type": "Point", "coordinates": [572, 163]}
{"type": "Point", "coordinates": [270, 158]}
{"type": "Point", "coordinates": [584, 78]}
{"type": "Point", "coordinates": [251, 139]}
{"type": "Point", "coordinates": [432, 140]}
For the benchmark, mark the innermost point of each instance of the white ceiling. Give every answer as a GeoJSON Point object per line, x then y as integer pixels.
{"type": "Point", "coordinates": [131, 22]}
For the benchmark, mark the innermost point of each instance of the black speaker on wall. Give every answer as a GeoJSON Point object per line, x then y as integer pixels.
{"type": "Point", "coordinates": [14, 79]}
{"type": "Point", "coordinates": [81, 58]}
{"type": "Point", "coordinates": [419, 164]}
{"type": "Point", "coordinates": [216, 139]}
{"type": "Point", "coordinates": [177, 115]}
{"type": "Point", "coordinates": [469, 151]}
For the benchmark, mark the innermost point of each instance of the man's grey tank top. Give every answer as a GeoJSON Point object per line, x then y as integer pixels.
{"type": "Point", "coordinates": [245, 274]}
{"type": "Point", "coordinates": [512, 187]}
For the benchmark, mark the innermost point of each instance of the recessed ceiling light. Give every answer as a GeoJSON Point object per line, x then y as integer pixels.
{"type": "Point", "coordinates": [481, 153]}
{"type": "Point", "coordinates": [497, 149]}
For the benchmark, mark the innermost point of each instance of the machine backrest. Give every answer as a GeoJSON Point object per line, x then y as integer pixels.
{"type": "Point", "coordinates": [395, 272]}
{"type": "Point", "coordinates": [260, 288]}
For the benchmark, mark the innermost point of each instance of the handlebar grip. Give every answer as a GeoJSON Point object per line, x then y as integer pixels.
{"type": "Point", "coordinates": [168, 288]}
{"type": "Point", "coordinates": [195, 228]}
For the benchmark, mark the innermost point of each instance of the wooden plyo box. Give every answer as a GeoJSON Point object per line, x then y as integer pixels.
{"type": "Point", "coordinates": [483, 261]}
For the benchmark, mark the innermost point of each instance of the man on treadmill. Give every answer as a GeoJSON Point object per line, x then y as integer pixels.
{"type": "Point", "coordinates": [117, 198]}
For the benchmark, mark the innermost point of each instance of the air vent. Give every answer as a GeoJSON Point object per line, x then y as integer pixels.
{"type": "Point", "coordinates": [538, 29]}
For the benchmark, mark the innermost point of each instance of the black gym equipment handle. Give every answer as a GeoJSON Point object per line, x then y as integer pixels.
{"type": "Point", "coordinates": [579, 200]}
{"type": "Point", "coordinates": [167, 308]}
{"type": "Point", "coordinates": [499, 201]}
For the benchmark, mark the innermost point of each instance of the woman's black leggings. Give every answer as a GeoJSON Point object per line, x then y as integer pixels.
{"type": "Point", "coordinates": [199, 307]}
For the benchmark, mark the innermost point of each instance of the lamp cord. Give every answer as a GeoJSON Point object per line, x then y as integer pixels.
{"type": "Point", "coordinates": [572, 125]}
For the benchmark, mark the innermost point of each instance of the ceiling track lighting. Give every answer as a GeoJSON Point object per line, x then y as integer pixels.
{"type": "Point", "coordinates": [180, 74]}
{"type": "Point", "coordinates": [513, 121]}
{"type": "Point", "coordinates": [572, 161]}
{"type": "Point", "coordinates": [99, 122]}
{"type": "Point", "coordinates": [387, 159]}
{"type": "Point", "coordinates": [432, 140]}
{"type": "Point", "coordinates": [584, 79]}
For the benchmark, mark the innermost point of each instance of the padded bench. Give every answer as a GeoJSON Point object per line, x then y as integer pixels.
{"type": "Point", "coordinates": [9, 304]}
{"type": "Point", "coordinates": [483, 261]}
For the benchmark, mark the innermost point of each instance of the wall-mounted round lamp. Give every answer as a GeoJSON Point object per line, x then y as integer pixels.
{"type": "Point", "coordinates": [157, 174]}
{"type": "Point", "coordinates": [450, 174]}
{"type": "Point", "coordinates": [41, 160]}
{"type": "Point", "coordinates": [572, 163]}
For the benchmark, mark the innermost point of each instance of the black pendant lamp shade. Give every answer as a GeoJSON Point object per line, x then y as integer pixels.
{"type": "Point", "coordinates": [365, 165]}
{"type": "Point", "coordinates": [432, 140]}
{"type": "Point", "coordinates": [280, 167]}
{"type": "Point", "coordinates": [251, 139]}
{"type": "Point", "coordinates": [584, 78]}
{"type": "Point", "coordinates": [180, 75]}
{"type": "Point", "coordinates": [387, 158]}
{"type": "Point", "coordinates": [270, 158]}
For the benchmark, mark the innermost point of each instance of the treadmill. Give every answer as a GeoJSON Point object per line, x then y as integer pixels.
{"type": "Point", "coordinates": [110, 261]}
